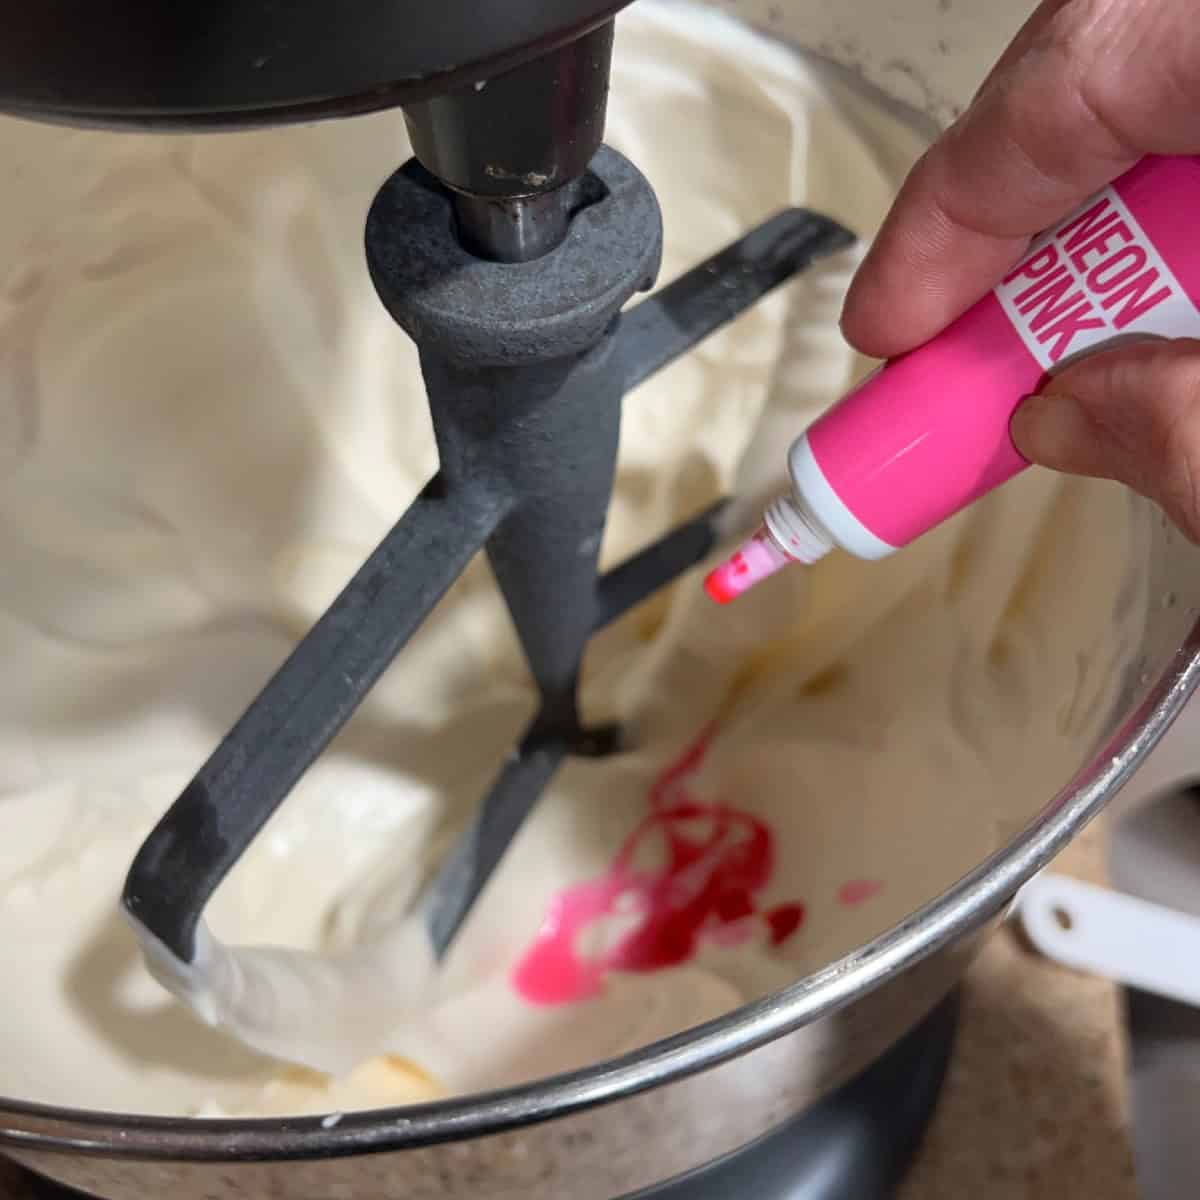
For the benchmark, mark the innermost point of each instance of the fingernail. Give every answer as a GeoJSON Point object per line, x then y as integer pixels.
{"type": "Point", "coordinates": [1045, 427]}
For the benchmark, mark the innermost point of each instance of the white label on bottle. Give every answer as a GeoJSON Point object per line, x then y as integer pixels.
{"type": "Point", "coordinates": [1095, 277]}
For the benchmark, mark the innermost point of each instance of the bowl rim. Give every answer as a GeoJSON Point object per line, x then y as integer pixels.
{"type": "Point", "coordinates": [961, 909]}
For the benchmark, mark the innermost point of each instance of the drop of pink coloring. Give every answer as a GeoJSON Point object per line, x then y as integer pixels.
{"type": "Point", "coordinates": [858, 891]}
{"type": "Point", "coordinates": [784, 921]}
{"type": "Point", "coordinates": [712, 861]}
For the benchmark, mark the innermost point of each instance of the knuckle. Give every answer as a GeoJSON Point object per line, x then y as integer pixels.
{"type": "Point", "coordinates": [1136, 62]}
{"type": "Point", "coordinates": [1106, 52]}
{"type": "Point", "coordinates": [1100, 99]}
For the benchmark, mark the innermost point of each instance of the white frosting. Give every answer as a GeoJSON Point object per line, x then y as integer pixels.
{"type": "Point", "coordinates": [207, 421]}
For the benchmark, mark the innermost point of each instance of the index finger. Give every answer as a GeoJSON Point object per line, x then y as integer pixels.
{"type": "Point", "coordinates": [1087, 88]}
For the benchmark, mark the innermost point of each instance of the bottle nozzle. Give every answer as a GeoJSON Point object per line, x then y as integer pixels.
{"type": "Point", "coordinates": [754, 560]}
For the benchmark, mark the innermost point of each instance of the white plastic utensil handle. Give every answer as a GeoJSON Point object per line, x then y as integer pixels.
{"type": "Point", "coordinates": [1119, 937]}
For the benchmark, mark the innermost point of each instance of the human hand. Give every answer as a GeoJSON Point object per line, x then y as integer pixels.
{"type": "Point", "coordinates": [1085, 90]}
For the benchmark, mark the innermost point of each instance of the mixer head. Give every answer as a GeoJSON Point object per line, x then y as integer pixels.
{"type": "Point", "coordinates": [508, 251]}
{"type": "Point", "coordinates": [505, 102]}
{"type": "Point", "coordinates": [212, 63]}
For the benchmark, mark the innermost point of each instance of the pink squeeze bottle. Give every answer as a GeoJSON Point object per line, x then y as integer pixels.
{"type": "Point", "coordinates": [927, 434]}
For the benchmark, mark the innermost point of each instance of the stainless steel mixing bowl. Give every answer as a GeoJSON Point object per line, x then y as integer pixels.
{"type": "Point", "coordinates": [628, 1124]}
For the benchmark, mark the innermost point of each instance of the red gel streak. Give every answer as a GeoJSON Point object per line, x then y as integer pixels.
{"type": "Point", "coordinates": [714, 860]}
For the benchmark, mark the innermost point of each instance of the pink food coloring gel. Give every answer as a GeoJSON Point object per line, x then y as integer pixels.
{"type": "Point", "coordinates": [689, 873]}
{"type": "Point", "coordinates": [928, 433]}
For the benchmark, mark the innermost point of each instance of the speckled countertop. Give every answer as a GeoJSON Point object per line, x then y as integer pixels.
{"type": "Point", "coordinates": [1035, 1103]}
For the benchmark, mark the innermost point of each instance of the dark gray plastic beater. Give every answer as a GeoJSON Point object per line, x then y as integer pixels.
{"type": "Point", "coordinates": [507, 250]}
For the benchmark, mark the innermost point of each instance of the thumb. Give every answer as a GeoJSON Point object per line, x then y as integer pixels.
{"type": "Point", "coordinates": [1130, 413]}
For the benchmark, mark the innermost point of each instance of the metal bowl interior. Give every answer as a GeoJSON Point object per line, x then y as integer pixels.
{"type": "Point", "coordinates": [876, 993]}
